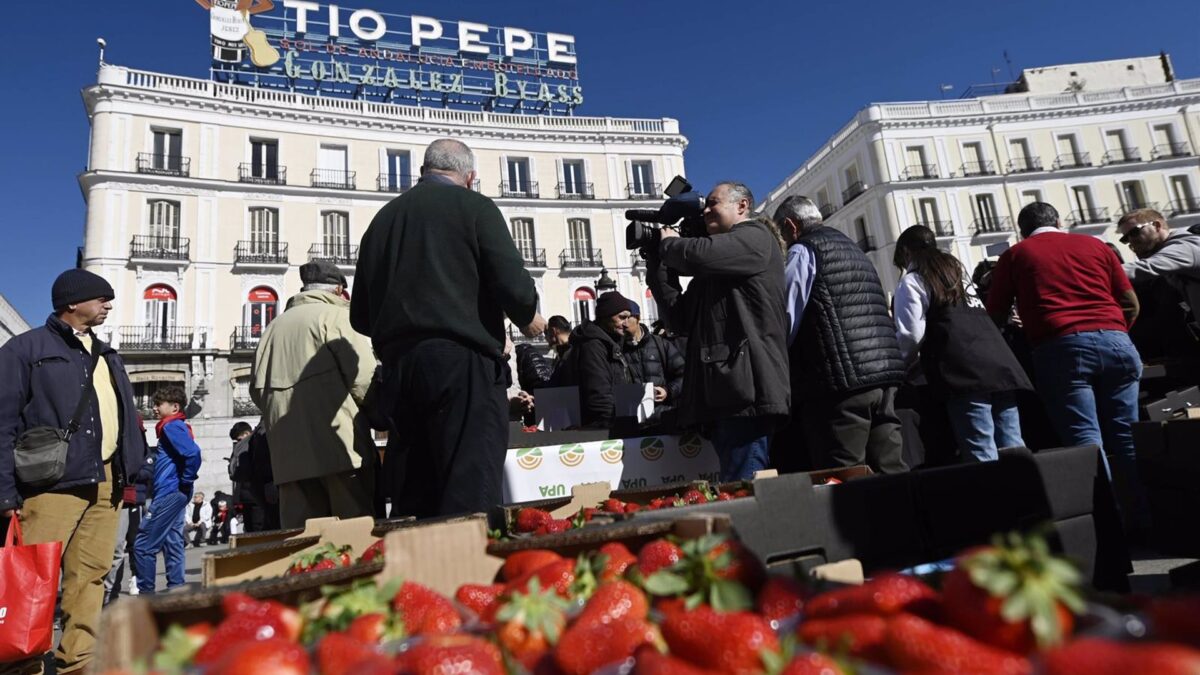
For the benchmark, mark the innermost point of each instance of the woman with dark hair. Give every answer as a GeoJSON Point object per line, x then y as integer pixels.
{"type": "Point", "coordinates": [961, 352]}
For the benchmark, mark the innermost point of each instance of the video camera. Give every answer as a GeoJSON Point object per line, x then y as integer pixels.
{"type": "Point", "coordinates": [683, 205]}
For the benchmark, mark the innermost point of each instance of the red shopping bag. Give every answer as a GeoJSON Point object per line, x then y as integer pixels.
{"type": "Point", "coordinates": [28, 592]}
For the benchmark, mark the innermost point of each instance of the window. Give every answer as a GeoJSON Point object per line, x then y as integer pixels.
{"type": "Point", "coordinates": [851, 174]}
{"type": "Point", "coordinates": [1030, 196]}
{"type": "Point", "coordinates": [517, 176]}
{"type": "Point", "coordinates": [1081, 199]}
{"type": "Point", "coordinates": [641, 179]}
{"type": "Point", "coordinates": [584, 300]}
{"type": "Point", "coordinates": [335, 233]}
{"type": "Point", "coordinates": [861, 237]}
{"type": "Point", "coordinates": [973, 161]}
{"type": "Point", "coordinates": [143, 395]}
{"type": "Point", "coordinates": [573, 177]}
{"type": "Point", "coordinates": [164, 223]}
{"type": "Point", "coordinates": [397, 175]}
{"type": "Point", "coordinates": [579, 236]}
{"type": "Point", "coordinates": [822, 199]}
{"type": "Point", "coordinates": [917, 164]}
{"type": "Point", "coordinates": [168, 150]}
{"type": "Point", "coordinates": [1068, 152]}
{"type": "Point", "coordinates": [1164, 134]}
{"type": "Point", "coordinates": [264, 159]}
{"type": "Point", "coordinates": [1118, 148]}
{"type": "Point", "coordinates": [1018, 151]}
{"type": "Point", "coordinates": [259, 310]}
{"type": "Point", "coordinates": [158, 303]}
{"type": "Point", "coordinates": [264, 231]}
{"type": "Point", "coordinates": [927, 214]}
{"type": "Point", "coordinates": [522, 232]}
{"type": "Point", "coordinates": [1132, 195]}
{"type": "Point", "coordinates": [331, 168]}
{"type": "Point", "coordinates": [1181, 193]}
{"type": "Point", "coordinates": [985, 210]}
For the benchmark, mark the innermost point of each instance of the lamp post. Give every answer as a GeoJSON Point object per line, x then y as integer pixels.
{"type": "Point", "coordinates": [605, 283]}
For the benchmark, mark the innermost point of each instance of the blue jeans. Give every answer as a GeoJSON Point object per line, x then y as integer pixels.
{"type": "Point", "coordinates": [161, 530]}
{"type": "Point", "coordinates": [741, 444]}
{"type": "Point", "coordinates": [983, 423]}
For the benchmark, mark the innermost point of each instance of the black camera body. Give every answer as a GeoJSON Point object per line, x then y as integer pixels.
{"type": "Point", "coordinates": [683, 206]}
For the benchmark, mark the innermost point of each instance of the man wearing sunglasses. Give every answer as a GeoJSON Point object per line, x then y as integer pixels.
{"type": "Point", "coordinates": [1173, 255]}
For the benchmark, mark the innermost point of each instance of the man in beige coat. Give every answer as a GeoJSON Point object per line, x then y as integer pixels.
{"type": "Point", "coordinates": [311, 373]}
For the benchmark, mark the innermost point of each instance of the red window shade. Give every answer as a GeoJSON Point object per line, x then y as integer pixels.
{"type": "Point", "coordinates": [585, 294]}
{"type": "Point", "coordinates": [262, 295]}
{"type": "Point", "coordinates": [159, 292]}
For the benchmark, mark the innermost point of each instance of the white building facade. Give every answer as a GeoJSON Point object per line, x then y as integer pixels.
{"type": "Point", "coordinates": [12, 323]}
{"type": "Point", "coordinates": [965, 167]}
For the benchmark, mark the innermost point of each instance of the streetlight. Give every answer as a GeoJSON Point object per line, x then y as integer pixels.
{"type": "Point", "coordinates": [102, 44]}
{"type": "Point", "coordinates": [605, 283]}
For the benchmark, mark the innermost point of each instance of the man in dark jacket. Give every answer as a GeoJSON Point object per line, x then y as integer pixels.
{"type": "Point", "coordinates": [437, 273]}
{"type": "Point", "coordinates": [653, 359]}
{"type": "Point", "coordinates": [42, 376]}
{"type": "Point", "coordinates": [599, 361]}
{"type": "Point", "coordinates": [732, 313]}
{"type": "Point", "coordinates": [558, 337]}
{"type": "Point", "coordinates": [845, 362]}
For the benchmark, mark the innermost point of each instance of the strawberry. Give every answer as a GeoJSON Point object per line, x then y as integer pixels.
{"type": "Point", "coordinates": [612, 601]}
{"type": "Point", "coordinates": [180, 645]}
{"type": "Point", "coordinates": [714, 569]}
{"type": "Point", "coordinates": [724, 497]}
{"type": "Point", "coordinates": [450, 654]}
{"type": "Point", "coordinates": [633, 507]}
{"type": "Point", "coordinates": [886, 594]}
{"type": "Point", "coordinates": [531, 623]}
{"type": "Point", "coordinates": [1094, 656]}
{"type": "Point", "coordinates": [559, 575]}
{"type": "Point", "coordinates": [277, 656]}
{"type": "Point", "coordinates": [694, 496]}
{"type": "Point", "coordinates": [323, 565]}
{"type": "Point", "coordinates": [478, 598]}
{"type": "Point", "coordinates": [338, 653]}
{"type": "Point", "coordinates": [780, 597]}
{"type": "Point", "coordinates": [658, 554]}
{"type": "Point", "coordinates": [327, 556]}
{"type": "Point", "coordinates": [612, 505]}
{"type": "Point", "coordinates": [251, 623]}
{"type": "Point", "coordinates": [530, 519]}
{"type": "Point", "coordinates": [616, 559]}
{"type": "Point", "coordinates": [862, 635]}
{"type": "Point", "coordinates": [914, 644]}
{"type": "Point", "coordinates": [374, 628]}
{"type": "Point", "coordinates": [523, 562]}
{"type": "Point", "coordinates": [374, 552]}
{"type": "Point", "coordinates": [584, 649]}
{"type": "Point", "coordinates": [732, 561]}
{"type": "Point", "coordinates": [731, 642]}
{"type": "Point", "coordinates": [649, 661]}
{"type": "Point", "coordinates": [741, 493]}
{"type": "Point", "coordinates": [811, 663]}
{"type": "Point", "coordinates": [1013, 594]}
{"type": "Point", "coordinates": [340, 606]}
{"type": "Point", "coordinates": [555, 526]}
{"type": "Point", "coordinates": [236, 602]}
{"type": "Point", "coordinates": [1176, 619]}
{"type": "Point", "coordinates": [424, 610]}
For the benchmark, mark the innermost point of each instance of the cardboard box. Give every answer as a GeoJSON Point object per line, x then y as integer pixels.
{"type": "Point", "coordinates": [1169, 405]}
{"type": "Point", "coordinates": [254, 538]}
{"type": "Point", "coordinates": [272, 558]}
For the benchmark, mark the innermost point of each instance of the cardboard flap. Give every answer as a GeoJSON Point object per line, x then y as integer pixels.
{"type": "Point", "coordinates": [130, 634]}
{"type": "Point", "coordinates": [355, 533]}
{"type": "Point", "coordinates": [766, 473]}
{"type": "Point", "coordinates": [442, 556]}
{"type": "Point", "coordinates": [849, 571]}
{"type": "Point", "coordinates": [314, 526]}
{"type": "Point", "coordinates": [584, 494]}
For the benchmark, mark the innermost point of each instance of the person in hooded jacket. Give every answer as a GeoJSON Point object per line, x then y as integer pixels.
{"type": "Point", "coordinates": [653, 359]}
{"type": "Point", "coordinates": [599, 360]}
{"type": "Point", "coordinates": [1163, 253]}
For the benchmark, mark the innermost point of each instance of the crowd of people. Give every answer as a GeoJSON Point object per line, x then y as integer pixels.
{"type": "Point", "coordinates": [783, 349]}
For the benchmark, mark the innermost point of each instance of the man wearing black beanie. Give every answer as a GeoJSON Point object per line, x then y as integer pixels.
{"type": "Point", "coordinates": [43, 374]}
{"type": "Point", "coordinates": [600, 360]}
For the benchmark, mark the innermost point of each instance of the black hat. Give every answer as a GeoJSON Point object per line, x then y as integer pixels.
{"type": "Point", "coordinates": [75, 286]}
{"type": "Point", "coordinates": [322, 272]}
{"type": "Point", "coordinates": [610, 304]}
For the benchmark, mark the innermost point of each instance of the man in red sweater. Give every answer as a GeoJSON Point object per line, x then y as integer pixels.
{"type": "Point", "coordinates": [1076, 305]}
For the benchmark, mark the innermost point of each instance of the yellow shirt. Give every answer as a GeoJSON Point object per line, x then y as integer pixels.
{"type": "Point", "coordinates": [106, 401]}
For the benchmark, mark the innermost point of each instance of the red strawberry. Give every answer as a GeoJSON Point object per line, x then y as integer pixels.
{"type": "Point", "coordinates": [886, 594]}
{"type": "Point", "coordinates": [739, 565]}
{"type": "Point", "coordinates": [338, 653]}
{"type": "Point", "coordinates": [374, 628]}
{"type": "Point", "coordinates": [612, 505]}
{"type": "Point", "coordinates": [1094, 656]}
{"type": "Point", "coordinates": [731, 642]}
{"type": "Point", "coordinates": [812, 664]}
{"type": "Point", "coordinates": [251, 623]}
{"type": "Point", "coordinates": [612, 601]}
{"type": "Point", "coordinates": [741, 493]}
{"type": "Point", "coordinates": [449, 654]}
{"type": "Point", "coordinates": [556, 525]}
{"type": "Point", "coordinates": [1014, 594]}
{"type": "Point", "coordinates": [530, 623]}
{"type": "Point", "coordinates": [586, 648]}
{"type": "Point", "coordinates": [1176, 619]}
{"type": "Point", "coordinates": [323, 565]}
{"type": "Point", "coordinates": [523, 562]}
{"type": "Point", "coordinates": [694, 496]}
{"type": "Point", "coordinates": [714, 570]}
{"type": "Point", "coordinates": [478, 598]}
{"type": "Point", "coordinates": [236, 602]}
{"type": "Point", "coordinates": [617, 559]}
{"type": "Point", "coordinates": [780, 597]}
{"type": "Point", "coordinates": [657, 555]}
{"type": "Point", "coordinates": [179, 646]}
{"type": "Point", "coordinates": [862, 635]}
{"type": "Point", "coordinates": [424, 610]}
{"type": "Point", "coordinates": [277, 656]}
{"type": "Point", "coordinates": [724, 497]}
{"type": "Point", "coordinates": [374, 552]}
{"type": "Point", "coordinates": [530, 519]}
{"type": "Point", "coordinates": [633, 507]}
{"type": "Point", "coordinates": [914, 644]}
{"type": "Point", "coordinates": [649, 661]}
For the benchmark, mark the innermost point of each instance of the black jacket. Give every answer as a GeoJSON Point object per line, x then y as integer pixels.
{"type": "Point", "coordinates": [533, 368]}
{"type": "Point", "coordinates": [733, 316]}
{"type": "Point", "coordinates": [599, 365]}
{"type": "Point", "coordinates": [42, 372]}
{"type": "Point", "coordinates": [963, 352]}
{"type": "Point", "coordinates": [655, 360]}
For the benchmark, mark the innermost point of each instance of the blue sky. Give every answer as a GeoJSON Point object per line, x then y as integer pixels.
{"type": "Point", "coordinates": [756, 86]}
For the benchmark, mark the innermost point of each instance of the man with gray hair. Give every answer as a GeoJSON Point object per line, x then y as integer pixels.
{"type": "Point", "coordinates": [845, 361]}
{"type": "Point", "coordinates": [310, 377]}
{"type": "Point", "coordinates": [437, 273]}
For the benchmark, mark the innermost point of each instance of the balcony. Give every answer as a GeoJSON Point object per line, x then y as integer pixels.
{"type": "Point", "coordinates": [249, 172]}
{"type": "Point", "coordinates": [1072, 160]}
{"type": "Point", "coordinates": [533, 257]}
{"type": "Point", "coordinates": [1092, 216]}
{"type": "Point", "coordinates": [261, 253]}
{"type": "Point", "coordinates": [581, 258]}
{"type": "Point", "coordinates": [164, 165]}
{"type": "Point", "coordinates": [1169, 150]}
{"type": "Point", "coordinates": [575, 191]}
{"type": "Point", "coordinates": [1122, 156]}
{"type": "Point", "coordinates": [1126, 210]}
{"type": "Point", "coordinates": [343, 255]}
{"type": "Point", "coordinates": [245, 338]}
{"type": "Point", "coordinates": [1181, 207]}
{"type": "Point", "coordinates": [985, 168]}
{"type": "Point", "coordinates": [919, 172]}
{"type": "Point", "coordinates": [992, 225]}
{"type": "Point", "coordinates": [1023, 165]}
{"type": "Point", "coordinates": [519, 189]}
{"type": "Point", "coordinates": [155, 338]}
{"type": "Point", "coordinates": [337, 179]}
{"type": "Point", "coordinates": [941, 228]}
{"type": "Point", "coordinates": [856, 188]}
{"type": "Point", "coordinates": [828, 210]}
{"type": "Point", "coordinates": [392, 182]}
{"type": "Point", "coordinates": [644, 191]}
{"type": "Point", "coordinates": [159, 249]}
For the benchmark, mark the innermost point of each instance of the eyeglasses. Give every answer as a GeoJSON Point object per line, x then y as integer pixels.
{"type": "Point", "coordinates": [1136, 229]}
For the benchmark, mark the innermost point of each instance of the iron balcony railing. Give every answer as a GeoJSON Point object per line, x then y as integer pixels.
{"type": "Point", "coordinates": [941, 228]}
{"type": "Point", "coordinates": [1024, 164]}
{"type": "Point", "coordinates": [581, 257]}
{"type": "Point", "coordinates": [149, 247]}
{"type": "Point", "coordinates": [1090, 216]}
{"type": "Point", "coordinates": [337, 179]}
{"type": "Point", "coordinates": [1121, 156]}
{"type": "Point", "coordinates": [248, 172]}
{"type": "Point", "coordinates": [245, 338]}
{"type": "Point", "coordinates": [1168, 150]}
{"type": "Point", "coordinates": [575, 191]}
{"type": "Point", "coordinates": [155, 338]}
{"type": "Point", "coordinates": [1130, 208]}
{"type": "Point", "coordinates": [992, 225]}
{"type": "Point", "coordinates": [919, 171]}
{"type": "Point", "coordinates": [393, 182]}
{"type": "Point", "coordinates": [828, 210]}
{"type": "Point", "coordinates": [338, 254]}
{"type": "Point", "coordinates": [1182, 206]}
{"type": "Point", "coordinates": [856, 188]}
{"type": "Point", "coordinates": [261, 253]}
{"type": "Point", "coordinates": [523, 189]}
{"type": "Point", "coordinates": [984, 168]}
{"type": "Point", "coordinates": [164, 165]}
{"type": "Point", "coordinates": [533, 257]}
{"type": "Point", "coordinates": [1072, 160]}
{"type": "Point", "coordinates": [644, 191]}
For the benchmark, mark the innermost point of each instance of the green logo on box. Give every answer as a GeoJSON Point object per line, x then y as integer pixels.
{"type": "Point", "coordinates": [529, 458]}
{"type": "Point", "coordinates": [653, 448]}
{"type": "Point", "coordinates": [571, 455]}
{"type": "Point", "coordinates": [690, 445]}
{"type": "Point", "coordinates": [612, 451]}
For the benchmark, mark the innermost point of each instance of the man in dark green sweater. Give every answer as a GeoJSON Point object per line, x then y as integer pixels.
{"type": "Point", "coordinates": [437, 273]}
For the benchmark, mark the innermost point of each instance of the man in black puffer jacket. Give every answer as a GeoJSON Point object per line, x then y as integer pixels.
{"type": "Point", "coordinates": [845, 361]}
{"type": "Point", "coordinates": [653, 359]}
{"type": "Point", "coordinates": [599, 362]}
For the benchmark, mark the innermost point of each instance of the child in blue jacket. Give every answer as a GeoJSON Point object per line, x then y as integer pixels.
{"type": "Point", "coordinates": [176, 466]}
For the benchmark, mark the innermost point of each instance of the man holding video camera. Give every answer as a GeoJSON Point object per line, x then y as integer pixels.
{"type": "Point", "coordinates": [736, 369]}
